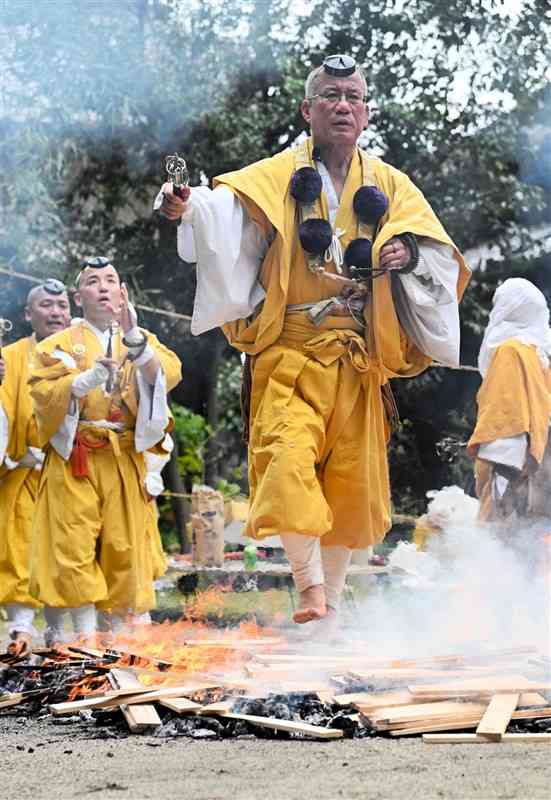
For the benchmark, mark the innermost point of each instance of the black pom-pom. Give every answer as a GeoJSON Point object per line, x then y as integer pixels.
{"type": "Point", "coordinates": [370, 204]}
{"type": "Point", "coordinates": [315, 235]}
{"type": "Point", "coordinates": [306, 185]}
{"type": "Point", "coordinates": [358, 254]}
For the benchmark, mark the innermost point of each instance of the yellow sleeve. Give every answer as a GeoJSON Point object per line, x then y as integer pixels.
{"type": "Point", "coordinates": [50, 384]}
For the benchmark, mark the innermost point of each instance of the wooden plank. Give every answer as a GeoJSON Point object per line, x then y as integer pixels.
{"type": "Point", "coordinates": [452, 723]}
{"type": "Point", "coordinates": [314, 731]}
{"type": "Point", "coordinates": [125, 679]}
{"type": "Point", "coordinates": [373, 700]}
{"type": "Point", "coordinates": [497, 716]}
{"type": "Point", "coordinates": [181, 705]}
{"type": "Point", "coordinates": [235, 644]}
{"type": "Point", "coordinates": [222, 707]}
{"type": "Point", "coordinates": [141, 718]}
{"type": "Point", "coordinates": [531, 699]}
{"type": "Point", "coordinates": [425, 711]}
{"type": "Point", "coordinates": [473, 738]}
{"type": "Point", "coordinates": [435, 726]}
{"type": "Point", "coordinates": [13, 699]}
{"type": "Point", "coordinates": [500, 684]}
{"type": "Point", "coordinates": [109, 700]}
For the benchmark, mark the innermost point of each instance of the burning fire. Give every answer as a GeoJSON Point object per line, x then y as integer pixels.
{"type": "Point", "coordinates": [171, 652]}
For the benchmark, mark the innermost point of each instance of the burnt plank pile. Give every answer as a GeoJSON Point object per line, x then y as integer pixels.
{"type": "Point", "coordinates": [263, 687]}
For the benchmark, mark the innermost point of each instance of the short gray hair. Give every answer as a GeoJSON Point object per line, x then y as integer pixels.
{"type": "Point", "coordinates": [313, 76]}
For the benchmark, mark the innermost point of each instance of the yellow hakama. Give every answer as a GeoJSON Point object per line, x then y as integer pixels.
{"type": "Point", "coordinates": [92, 539]}
{"type": "Point", "coordinates": [18, 487]}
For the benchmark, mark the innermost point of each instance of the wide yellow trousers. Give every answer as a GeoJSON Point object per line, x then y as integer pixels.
{"type": "Point", "coordinates": [18, 490]}
{"type": "Point", "coordinates": [154, 536]}
{"type": "Point", "coordinates": [318, 446]}
{"type": "Point", "coordinates": [91, 539]}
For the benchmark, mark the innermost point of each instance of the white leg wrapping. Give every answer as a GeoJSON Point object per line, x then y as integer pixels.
{"type": "Point", "coordinates": [20, 619]}
{"type": "Point", "coordinates": [304, 557]}
{"type": "Point", "coordinates": [116, 622]}
{"type": "Point", "coordinates": [335, 561]}
{"type": "Point", "coordinates": [55, 622]}
{"type": "Point", "coordinates": [84, 619]}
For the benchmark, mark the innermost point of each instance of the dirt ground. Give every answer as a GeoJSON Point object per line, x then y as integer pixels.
{"type": "Point", "coordinates": [40, 759]}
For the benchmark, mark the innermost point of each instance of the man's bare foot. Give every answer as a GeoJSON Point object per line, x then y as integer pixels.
{"type": "Point", "coordinates": [311, 604]}
{"type": "Point", "coordinates": [21, 644]}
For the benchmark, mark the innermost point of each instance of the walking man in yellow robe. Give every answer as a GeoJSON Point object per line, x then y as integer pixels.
{"type": "Point", "coordinates": [47, 311]}
{"type": "Point", "coordinates": [329, 269]}
{"type": "Point", "coordinates": [100, 396]}
{"type": "Point", "coordinates": [510, 441]}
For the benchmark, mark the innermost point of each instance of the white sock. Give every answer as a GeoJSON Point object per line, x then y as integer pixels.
{"type": "Point", "coordinates": [335, 562]}
{"type": "Point", "coordinates": [304, 557]}
{"type": "Point", "coordinates": [20, 619]}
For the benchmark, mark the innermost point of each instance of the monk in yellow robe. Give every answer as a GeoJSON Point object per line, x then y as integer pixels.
{"type": "Point", "coordinates": [511, 439]}
{"type": "Point", "coordinates": [99, 391]}
{"type": "Point", "coordinates": [279, 245]}
{"type": "Point", "coordinates": [48, 312]}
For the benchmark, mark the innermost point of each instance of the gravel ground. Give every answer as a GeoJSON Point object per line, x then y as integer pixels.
{"type": "Point", "coordinates": [40, 759]}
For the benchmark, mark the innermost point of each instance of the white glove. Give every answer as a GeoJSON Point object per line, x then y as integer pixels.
{"type": "Point", "coordinates": [90, 379]}
{"type": "Point", "coordinates": [154, 484]}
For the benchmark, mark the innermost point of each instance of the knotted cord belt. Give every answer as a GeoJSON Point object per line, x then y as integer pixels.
{"type": "Point", "coordinates": [89, 438]}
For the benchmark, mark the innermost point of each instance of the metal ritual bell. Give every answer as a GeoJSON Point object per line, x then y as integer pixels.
{"type": "Point", "coordinates": [177, 172]}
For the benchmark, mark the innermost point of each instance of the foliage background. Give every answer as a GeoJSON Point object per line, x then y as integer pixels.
{"type": "Point", "coordinates": [94, 94]}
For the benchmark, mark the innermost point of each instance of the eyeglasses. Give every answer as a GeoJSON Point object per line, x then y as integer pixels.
{"type": "Point", "coordinates": [333, 96]}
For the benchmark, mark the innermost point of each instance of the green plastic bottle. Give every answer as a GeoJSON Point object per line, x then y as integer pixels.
{"type": "Point", "coordinates": [249, 557]}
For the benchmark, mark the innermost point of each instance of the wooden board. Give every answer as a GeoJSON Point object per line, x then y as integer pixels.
{"type": "Point", "coordinates": [222, 707]}
{"type": "Point", "coordinates": [473, 738]}
{"type": "Point", "coordinates": [288, 725]}
{"type": "Point", "coordinates": [424, 711]}
{"type": "Point", "coordinates": [497, 716]}
{"type": "Point", "coordinates": [9, 700]}
{"type": "Point", "coordinates": [435, 726]}
{"type": "Point", "coordinates": [531, 699]}
{"type": "Point", "coordinates": [109, 700]}
{"type": "Point", "coordinates": [141, 718]}
{"type": "Point", "coordinates": [373, 700]}
{"type": "Point", "coordinates": [181, 705]}
{"type": "Point", "coordinates": [500, 684]}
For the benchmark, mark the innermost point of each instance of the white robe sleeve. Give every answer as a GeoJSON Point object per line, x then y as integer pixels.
{"type": "Point", "coordinates": [153, 413]}
{"type": "Point", "coordinates": [217, 234]}
{"type": "Point", "coordinates": [4, 433]}
{"type": "Point", "coordinates": [510, 450]}
{"type": "Point", "coordinates": [426, 302]}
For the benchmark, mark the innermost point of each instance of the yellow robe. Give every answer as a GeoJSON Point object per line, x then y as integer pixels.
{"type": "Point", "coordinates": [18, 487]}
{"type": "Point", "coordinates": [92, 534]}
{"type": "Point", "coordinates": [317, 452]}
{"type": "Point", "coordinates": [513, 399]}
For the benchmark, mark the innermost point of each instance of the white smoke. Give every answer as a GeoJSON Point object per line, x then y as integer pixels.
{"type": "Point", "coordinates": [470, 591]}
